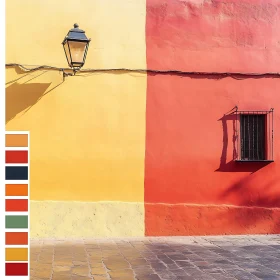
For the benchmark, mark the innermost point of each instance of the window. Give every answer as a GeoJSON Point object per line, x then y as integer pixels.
{"type": "Point", "coordinates": [252, 136]}
{"type": "Point", "coordinates": [255, 141]}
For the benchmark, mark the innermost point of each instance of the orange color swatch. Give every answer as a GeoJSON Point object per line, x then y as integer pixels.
{"type": "Point", "coordinates": [16, 238]}
{"type": "Point", "coordinates": [16, 140]}
{"type": "Point", "coordinates": [16, 190]}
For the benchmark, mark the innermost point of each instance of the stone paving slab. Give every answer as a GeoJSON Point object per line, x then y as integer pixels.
{"type": "Point", "coordinates": [249, 257]}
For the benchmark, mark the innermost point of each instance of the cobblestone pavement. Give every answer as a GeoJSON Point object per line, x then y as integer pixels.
{"type": "Point", "coordinates": [214, 257]}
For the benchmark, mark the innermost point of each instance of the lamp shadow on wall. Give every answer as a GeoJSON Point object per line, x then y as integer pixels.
{"type": "Point", "coordinates": [232, 165]}
{"type": "Point", "coordinates": [20, 98]}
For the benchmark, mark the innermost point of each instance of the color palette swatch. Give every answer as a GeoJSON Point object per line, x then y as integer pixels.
{"type": "Point", "coordinates": [17, 205]}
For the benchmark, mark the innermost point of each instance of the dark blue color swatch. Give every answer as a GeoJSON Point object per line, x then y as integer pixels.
{"type": "Point", "coordinates": [16, 173]}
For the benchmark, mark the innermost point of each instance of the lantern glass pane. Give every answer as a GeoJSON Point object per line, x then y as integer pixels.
{"type": "Point", "coordinates": [67, 53]}
{"type": "Point", "coordinates": [77, 50]}
{"type": "Point", "coordinates": [76, 64]}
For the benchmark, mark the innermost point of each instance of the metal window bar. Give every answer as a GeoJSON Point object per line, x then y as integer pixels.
{"type": "Point", "coordinates": [272, 133]}
{"type": "Point", "coordinates": [237, 132]}
{"type": "Point", "coordinates": [254, 135]}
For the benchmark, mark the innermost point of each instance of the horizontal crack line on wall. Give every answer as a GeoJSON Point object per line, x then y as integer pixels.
{"type": "Point", "coordinates": [236, 75]}
{"type": "Point", "coordinates": [159, 204]}
{"type": "Point", "coordinates": [212, 205]}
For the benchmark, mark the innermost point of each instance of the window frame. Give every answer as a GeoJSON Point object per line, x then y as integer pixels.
{"type": "Point", "coordinates": [268, 135]}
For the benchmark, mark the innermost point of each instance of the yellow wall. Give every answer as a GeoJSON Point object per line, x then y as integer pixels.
{"type": "Point", "coordinates": [87, 133]}
{"type": "Point", "coordinates": [86, 219]}
{"type": "Point", "coordinates": [35, 30]}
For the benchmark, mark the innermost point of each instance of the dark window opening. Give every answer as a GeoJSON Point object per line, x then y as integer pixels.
{"type": "Point", "coordinates": [252, 132]}
{"type": "Point", "coordinates": [253, 135]}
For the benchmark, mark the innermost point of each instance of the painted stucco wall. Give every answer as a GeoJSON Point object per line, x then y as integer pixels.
{"type": "Point", "coordinates": [192, 184]}
{"type": "Point", "coordinates": [88, 132]}
{"type": "Point", "coordinates": [124, 153]}
{"type": "Point", "coordinates": [213, 35]}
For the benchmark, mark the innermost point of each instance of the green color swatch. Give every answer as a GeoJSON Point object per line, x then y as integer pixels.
{"type": "Point", "coordinates": [16, 221]}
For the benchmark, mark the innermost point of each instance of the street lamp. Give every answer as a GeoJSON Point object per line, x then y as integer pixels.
{"type": "Point", "coordinates": [75, 45]}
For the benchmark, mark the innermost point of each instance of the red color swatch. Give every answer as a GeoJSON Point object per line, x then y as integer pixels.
{"type": "Point", "coordinates": [16, 205]}
{"type": "Point", "coordinates": [16, 156]}
{"type": "Point", "coordinates": [16, 238]}
{"type": "Point", "coordinates": [16, 269]}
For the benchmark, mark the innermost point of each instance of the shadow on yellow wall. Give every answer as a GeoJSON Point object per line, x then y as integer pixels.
{"type": "Point", "coordinates": [87, 133]}
{"type": "Point", "coordinates": [21, 97]}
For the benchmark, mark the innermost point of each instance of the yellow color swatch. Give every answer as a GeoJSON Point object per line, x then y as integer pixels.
{"type": "Point", "coordinates": [16, 254]}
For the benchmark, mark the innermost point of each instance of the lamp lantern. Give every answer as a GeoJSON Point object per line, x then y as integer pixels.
{"type": "Point", "coordinates": [75, 45]}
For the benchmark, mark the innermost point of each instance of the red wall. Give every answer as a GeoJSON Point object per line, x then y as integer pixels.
{"type": "Point", "coordinates": [213, 35]}
{"type": "Point", "coordinates": [192, 184]}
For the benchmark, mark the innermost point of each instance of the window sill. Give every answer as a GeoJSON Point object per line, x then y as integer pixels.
{"type": "Point", "coordinates": [245, 160]}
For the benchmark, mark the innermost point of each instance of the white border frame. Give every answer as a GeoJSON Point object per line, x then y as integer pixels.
{"type": "Point", "coordinates": [2, 137]}
{"type": "Point", "coordinates": [17, 213]}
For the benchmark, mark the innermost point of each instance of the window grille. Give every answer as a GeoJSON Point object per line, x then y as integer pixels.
{"type": "Point", "coordinates": [254, 135]}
